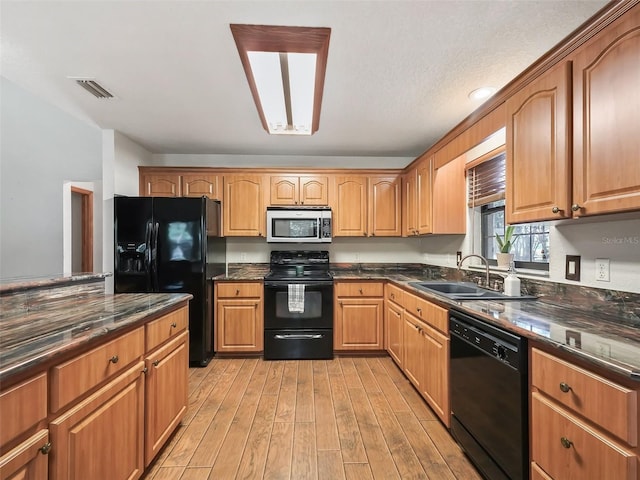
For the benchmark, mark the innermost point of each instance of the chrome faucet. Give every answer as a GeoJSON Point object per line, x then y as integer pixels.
{"type": "Point", "coordinates": [486, 265]}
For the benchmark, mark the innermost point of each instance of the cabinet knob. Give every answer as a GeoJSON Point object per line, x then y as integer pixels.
{"type": "Point", "coordinates": [361, 292]}
{"type": "Point", "coordinates": [564, 387]}
{"type": "Point", "coordinates": [575, 207]}
{"type": "Point", "coordinates": [566, 443]}
{"type": "Point", "coordinates": [145, 370]}
{"type": "Point", "coordinates": [555, 210]}
{"type": "Point", "coordinates": [237, 292]}
{"type": "Point", "coordinates": [174, 325]}
{"type": "Point", "coordinates": [302, 202]}
{"type": "Point", "coordinates": [45, 449]}
{"type": "Point", "coordinates": [156, 363]}
{"type": "Point", "coordinates": [259, 234]}
{"type": "Point", "coordinates": [393, 295]}
{"type": "Point", "coordinates": [365, 234]}
{"type": "Point", "coordinates": [419, 310]}
{"type": "Point", "coordinates": [114, 359]}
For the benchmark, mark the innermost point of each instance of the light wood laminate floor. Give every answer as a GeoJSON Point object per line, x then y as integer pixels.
{"type": "Point", "coordinates": [346, 418]}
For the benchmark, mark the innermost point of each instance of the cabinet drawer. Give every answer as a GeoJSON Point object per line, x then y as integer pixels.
{"type": "Point", "coordinates": [79, 375]}
{"type": "Point", "coordinates": [427, 312]}
{"type": "Point", "coordinates": [394, 294]}
{"type": "Point", "coordinates": [26, 462]}
{"type": "Point", "coordinates": [164, 328]}
{"type": "Point", "coordinates": [537, 473]}
{"type": "Point", "coordinates": [23, 406]}
{"type": "Point", "coordinates": [239, 290]}
{"type": "Point", "coordinates": [588, 394]}
{"type": "Point", "coordinates": [359, 289]}
{"type": "Point", "coordinates": [566, 448]}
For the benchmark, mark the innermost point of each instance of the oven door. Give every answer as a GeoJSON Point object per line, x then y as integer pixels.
{"type": "Point", "coordinates": [318, 306]}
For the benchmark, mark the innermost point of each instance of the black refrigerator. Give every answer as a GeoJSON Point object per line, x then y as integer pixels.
{"type": "Point", "coordinates": [172, 245]}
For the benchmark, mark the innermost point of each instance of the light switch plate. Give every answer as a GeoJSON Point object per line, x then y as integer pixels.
{"type": "Point", "coordinates": [572, 268]}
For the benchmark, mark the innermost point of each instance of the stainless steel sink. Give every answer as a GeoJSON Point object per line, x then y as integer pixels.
{"type": "Point", "coordinates": [464, 291]}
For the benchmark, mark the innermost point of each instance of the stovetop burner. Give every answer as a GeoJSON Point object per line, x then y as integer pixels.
{"type": "Point", "coordinates": [299, 265]}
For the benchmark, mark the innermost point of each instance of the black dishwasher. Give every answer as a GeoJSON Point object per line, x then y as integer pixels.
{"type": "Point", "coordinates": [489, 392]}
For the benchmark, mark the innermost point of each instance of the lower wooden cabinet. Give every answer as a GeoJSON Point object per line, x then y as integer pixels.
{"type": "Point", "coordinates": [393, 332]}
{"type": "Point", "coordinates": [358, 316]}
{"type": "Point", "coordinates": [166, 393]}
{"type": "Point", "coordinates": [239, 317]}
{"type": "Point", "coordinates": [413, 360]}
{"type": "Point", "coordinates": [435, 381]}
{"type": "Point", "coordinates": [102, 436]}
{"type": "Point", "coordinates": [27, 461]}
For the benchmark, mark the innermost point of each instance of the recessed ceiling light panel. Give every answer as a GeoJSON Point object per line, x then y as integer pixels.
{"type": "Point", "coordinates": [482, 93]}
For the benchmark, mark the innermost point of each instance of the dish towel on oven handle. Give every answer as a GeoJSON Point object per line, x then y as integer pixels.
{"type": "Point", "coordinates": [296, 298]}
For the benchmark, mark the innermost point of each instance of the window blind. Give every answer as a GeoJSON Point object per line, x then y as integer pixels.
{"type": "Point", "coordinates": [487, 181]}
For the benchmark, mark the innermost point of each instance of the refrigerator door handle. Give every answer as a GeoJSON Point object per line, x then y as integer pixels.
{"type": "Point", "coordinates": [147, 253]}
{"type": "Point", "coordinates": [154, 256]}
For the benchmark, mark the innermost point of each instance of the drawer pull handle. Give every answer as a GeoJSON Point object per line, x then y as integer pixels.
{"type": "Point", "coordinates": [565, 387]}
{"type": "Point", "coordinates": [45, 449]}
{"type": "Point", "coordinates": [156, 363]}
{"type": "Point", "coordinates": [114, 359]}
{"type": "Point", "coordinates": [174, 325]}
{"type": "Point", "coordinates": [361, 292]}
{"type": "Point", "coordinates": [237, 292]}
{"type": "Point", "coordinates": [419, 310]}
{"type": "Point", "coordinates": [393, 296]}
{"type": "Point", "coordinates": [566, 443]}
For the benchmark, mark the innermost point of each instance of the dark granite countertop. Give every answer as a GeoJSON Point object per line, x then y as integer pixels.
{"type": "Point", "coordinates": [9, 285]}
{"type": "Point", "coordinates": [244, 272]}
{"type": "Point", "coordinates": [598, 338]}
{"type": "Point", "coordinates": [34, 336]}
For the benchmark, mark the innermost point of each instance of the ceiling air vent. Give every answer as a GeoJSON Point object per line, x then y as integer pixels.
{"type": "Point", "coordinates": [94, 88]}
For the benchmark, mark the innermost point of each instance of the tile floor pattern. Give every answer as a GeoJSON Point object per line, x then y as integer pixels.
{"type": "Point", "coordinates": [346, 418]}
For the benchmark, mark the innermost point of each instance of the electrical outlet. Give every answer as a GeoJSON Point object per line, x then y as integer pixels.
{"type": "Point", "coordinates": [243, 257]}
{"type": "Point", "coordinates": [603, 349]}
{"type": "Point", "coordinates": [602, 270]}
{"type": "Point", "coordinates": [357, 258]}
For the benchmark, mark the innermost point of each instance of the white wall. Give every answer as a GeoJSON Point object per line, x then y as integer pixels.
{"type": "Point", "coordinates": [128, 155]}
{"type": "Point", "coordinates": [276, 161]}
{"type": "Point", "coordinates": [41, 148]}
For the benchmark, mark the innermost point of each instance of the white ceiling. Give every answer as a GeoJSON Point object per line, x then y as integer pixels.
{"type": "Point", "coordinates": [397, 79]}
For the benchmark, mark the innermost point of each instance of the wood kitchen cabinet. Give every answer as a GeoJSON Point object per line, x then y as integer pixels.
{"type": "Point", "coordinates": [103, 435]}
{"type": "Point", "coordinates": [413, 360]}
{"type": "Point", "coordinates": [166, 392]}
{"type": "Point", "coordinates": [538, 146]}
{"type": "Point", "coordinates": [367, 206]}
{"type": "Point", "coordinates": [394, 323]}
{"type": "Point", "coordinates": [606, 116]}
{"type": "Point", "coordinates": [160, 185]}
{"type": "Point", "coordinates": [304, 190]}
{"type": "Point", "coordinates": [27, 461]}
{"type": "Point", "coordinates": [243, 206]}
{"type": "Point", "coordinates": [417, 199]}
{"type": "Point", "coordinates": [239, 317]}
{"type": "Point", "coordinates": [201, 185]}
{"type": "Point", "coordinates": [449, 199]}
{"type": "Point", "coordinates": [582, 425]}
{"type": "Point", "coordinates": [358, 316]}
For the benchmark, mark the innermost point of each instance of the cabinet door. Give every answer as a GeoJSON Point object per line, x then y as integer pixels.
{"type": "Point", "coordinates": [154, 185]}
{"type": "Point", "coordinates": [284, 190]}
{"type": "Point", "coordinates": [566, 448]}
{"type": "Point", "coordinates": [606, 93]}
{"type": "Point", "coordinates": [314, 190]}
{"type": "Point", "coordinates": [110, 425]}
{"type": "Point", "coordinates": [435, 381]}
{"type": "Point", "coordinates": [538, 149]}
{"type": "Point", "coordinates": [393, 332]}
{"type": "Point", "coordinates": [358, 324]}
{"type": "Point", "coordinates": [384, 207]}
{"type": "Point", "coordinates": [28, 461]}
{"type": "Point", "coordinates": [423, 189]}
{"type": "Point", "coordinates": [413, 349]}
{"type": "Point", "coordinates": [239, 326]}
{"type": "Point", "coordinates": [166, 393]}
{"type": "Point", "coordinates": [201, 185]}
{"type": "Point", "coordinates": [449, 198]}
{"type": "Point", "coordinates": [409, 204]}
{"type": "Point", "coordinates": [350, 212]}
{"type": "Point", "coordinates": [244, 213]}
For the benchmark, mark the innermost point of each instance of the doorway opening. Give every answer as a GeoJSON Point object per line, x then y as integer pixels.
{"type": "Point", "coordinates": [81, 230]}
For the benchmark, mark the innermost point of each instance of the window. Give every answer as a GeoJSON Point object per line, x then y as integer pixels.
{"type": "Point", "coordinates": [486, 194]}
{"type": "Point", "coordinates": [531, 246]}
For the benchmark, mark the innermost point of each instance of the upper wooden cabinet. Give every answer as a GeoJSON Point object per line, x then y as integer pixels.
{"type": "Point", "coordinates": [201, 185]}
{"type": "Point", "coordinates": [538, 149]}
{"type": "Point", "coordinates": [160, 185]}
{"type": "Point", "coordinates": [299, 190]}
{"type": "Point", "coordinates": [167, 182]}
{"type": "Point", "coordinates": [409, 203]}
{"type": "Point", "coordinates": [606, 118]}
{"type": "Point", "coordinates": [416, 199]}
{"type": "Point", "coordinates": [367, 206]}
{"type": "Point", "coordinates": [243, 206]}
{"type": "Point", "coordinates": [449, 198]}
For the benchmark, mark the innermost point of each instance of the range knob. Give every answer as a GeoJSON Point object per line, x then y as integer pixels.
{"type": "Point", "coordinates": [502, 352]}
